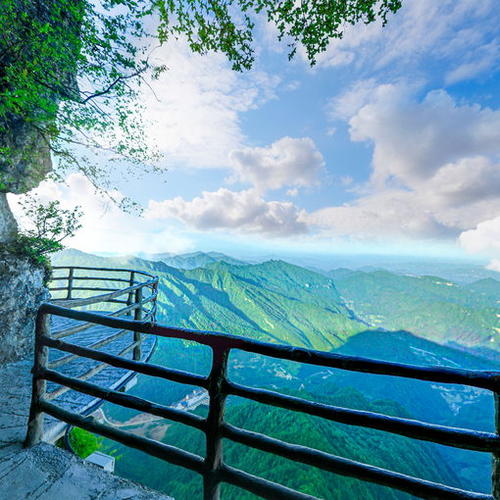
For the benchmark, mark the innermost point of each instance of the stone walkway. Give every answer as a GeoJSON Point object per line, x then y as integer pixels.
{"type": "Point", "coordinates": [45, 472]}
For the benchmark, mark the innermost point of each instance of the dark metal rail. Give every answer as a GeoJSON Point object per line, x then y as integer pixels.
{"type": "Point", "coordinates": [212, 467]}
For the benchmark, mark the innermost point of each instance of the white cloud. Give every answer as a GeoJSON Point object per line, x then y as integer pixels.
{"type": "Point", "coordinates": [484, 239]}
{"type": "Point", "coordinates": [243, 211]}
{"type": "Point", "coordinates": [484, 58]}
{"type": "Point", "coordinates": [413, 138]}
{"type": "Point", "coordinates": [435, 171]}
{"type": "Point", "coordinates": [195, 116]}
{"type": "Point", "coordinates": [286, 162]}
{"type": "Point", "coordinates": [457, 198]}
{"type": "Point", "coordinates": [106, 228]}
{"type": "Point", "coordinates": [421, 33]}
{"type": "Point", "coordinates": [393, 213]}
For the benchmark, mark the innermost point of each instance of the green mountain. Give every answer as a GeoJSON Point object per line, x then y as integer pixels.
{"type": "Point", "coordinates": [280, 302]}
{"type": "Point", "coordinates": [428, 306]}
{"type": "Point", "coordinates": [273, 301]}
{"type": "Point", "coordinates": [381, 449]}
{"type": "Point", "coordinates": [194, 259]}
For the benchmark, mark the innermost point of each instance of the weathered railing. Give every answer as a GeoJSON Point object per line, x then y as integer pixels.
{"type": "Point", "coordinates": [212, 467]}
{"type": "Point", "coordinates": [113, 293]}
{"type": "Point", "coordinates": [138, 288]}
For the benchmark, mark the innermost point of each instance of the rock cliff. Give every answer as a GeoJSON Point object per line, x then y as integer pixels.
{"type": "Point", "coordinates": [22, 291]}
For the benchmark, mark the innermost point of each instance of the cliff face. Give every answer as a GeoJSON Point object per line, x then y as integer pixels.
{"type": "Point", "coordinates": [28, 161]}
{"type": "Point", "coordinates": [21, 292]}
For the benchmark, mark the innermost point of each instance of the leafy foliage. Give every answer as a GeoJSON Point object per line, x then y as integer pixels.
{"type": "Point", "coordinates": [49, 225]}
{"type": "Point", "coordinates": [227, 25]}
{"type": "Point", "coordinates": [72, 69]}
{"type": "Point", "coordinates": [84, 443]}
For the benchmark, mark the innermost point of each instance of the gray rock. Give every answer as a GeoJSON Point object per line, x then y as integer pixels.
{"type": "Point", "coordinates": [28, 161]}
{"type": "Point", "coordinates": [21, 292]}
{"type": "Point", "coordinates": [8, 226]}
{"type": "Point", "coordinates": [48, 473]}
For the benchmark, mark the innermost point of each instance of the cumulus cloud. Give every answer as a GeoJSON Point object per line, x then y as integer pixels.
{"type": "Point", "coordinates": [457, 198]}
{"type": "Point", "coordinates": [394, 213]}
{"type": "Point", "coordinates": [435, 171]}
{"type": "Point", "coordinates": [413, 137]}
{"type": "Point", "coordinates": [196, 105]}
{"type": "Point", "coordinates": [484, 239]}
{"type": "Point", "coordinates": [106, 228]}
{"type": "Point", "coordinates": [243, 211]}
{"type": "Point", "coordinates": [286, 162]}
{"type": "Point", "coordinates": [423, 32]}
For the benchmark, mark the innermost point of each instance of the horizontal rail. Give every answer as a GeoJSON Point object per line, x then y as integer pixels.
{"type": "Point", "coordinates": [346, 467]}
{"type": "Point", "coordinates": [89, 289]}
{"type": "Point", "coordinates": [92, 278]}
{"type": "Point", "coordinates": [449, 436]}
{"type": "Point", "coordinates": [160, 450]}
{"type": "Point", "coordinates": [69, 303]}
{"type": "Point", "coordinates": [136, 366]}
{"type": "Point", "coordinates": [259, 486]}
{"type": "Point", "coordinates": [123, 399]}
{"type": "Point", "coordinates": [483, 379]}
{"type": "Point", "coordinates": [90, 373]}
{"type": "Point", "coordinates": [107, 269]}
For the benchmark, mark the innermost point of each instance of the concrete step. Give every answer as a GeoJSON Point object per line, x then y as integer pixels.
{"type": "Point", "coordinates": [45, 472]}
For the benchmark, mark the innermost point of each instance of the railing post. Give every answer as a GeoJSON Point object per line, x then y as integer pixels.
{"type": "Point", "coordinates": [496, 456]}
{"type": "Point", "coordinates": [213, 460]}
{"type": "Point", "coordinates": [70, 283]}
{"type": "Point", "coordinates": [155, 302]}
{"type": "Point", "coordinates": [130, 299]}
{"type": "Point", "coordinates": [36, 417]}
{"type": "Point", "coordinates": [138, 317]}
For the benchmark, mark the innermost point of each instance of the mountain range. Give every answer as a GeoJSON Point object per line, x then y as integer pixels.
{"type": "Point", "coordinates": [420, 320]}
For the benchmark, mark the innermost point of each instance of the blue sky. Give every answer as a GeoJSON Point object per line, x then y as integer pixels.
{"type": "Point", "coordinates": [390, 144]}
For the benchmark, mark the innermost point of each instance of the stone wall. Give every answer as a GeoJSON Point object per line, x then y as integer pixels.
{"type": "Point", "coordinates": [21, 292]}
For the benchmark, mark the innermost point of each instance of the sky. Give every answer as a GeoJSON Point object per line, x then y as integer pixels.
{"type": "Point", "coordinates": [389, 145]}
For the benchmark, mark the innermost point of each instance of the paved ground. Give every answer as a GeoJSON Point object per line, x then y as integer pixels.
{"type": "Point", "coordinates": [45, 472]}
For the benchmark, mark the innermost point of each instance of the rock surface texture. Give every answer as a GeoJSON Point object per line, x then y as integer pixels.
{"type": "Point", "coordinates": [45, 472]}
{"type": "Point", "coordinates": [8, 226]}
{"type": "Point", "coordinates": [21, 292]}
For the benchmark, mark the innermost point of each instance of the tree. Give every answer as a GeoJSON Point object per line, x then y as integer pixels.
{"type": "Point", "coordinates": [71, 70]}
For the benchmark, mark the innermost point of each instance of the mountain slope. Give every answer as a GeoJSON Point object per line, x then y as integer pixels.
{"type": "Point", "coordinates": [195, 259]}
{"type": "Point", "coordinates": [273, 301]}
{"type": "Point", "coordinates": [430, 307]}
{"type": "Point", "coordinates": [381, 449]}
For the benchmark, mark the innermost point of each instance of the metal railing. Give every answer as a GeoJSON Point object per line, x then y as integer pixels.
{"type": "Point", "coordinates": [216, 429]}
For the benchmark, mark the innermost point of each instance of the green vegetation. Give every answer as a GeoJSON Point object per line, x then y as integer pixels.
{"type": "Point", "coordinates": [84, 443]}
{"type": "Point", "coordinates": [369, 446]}
{"type": "Point", "coordinates": [194, 259]}
{"type": "Point", "coordinates": [48, 226]}
{"type": "Point", "coordinates": [428, 306]}
{"type": "Point", "coordinates": [280, 302]}
{"type": "Point", "coordinates": [273, 301]}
